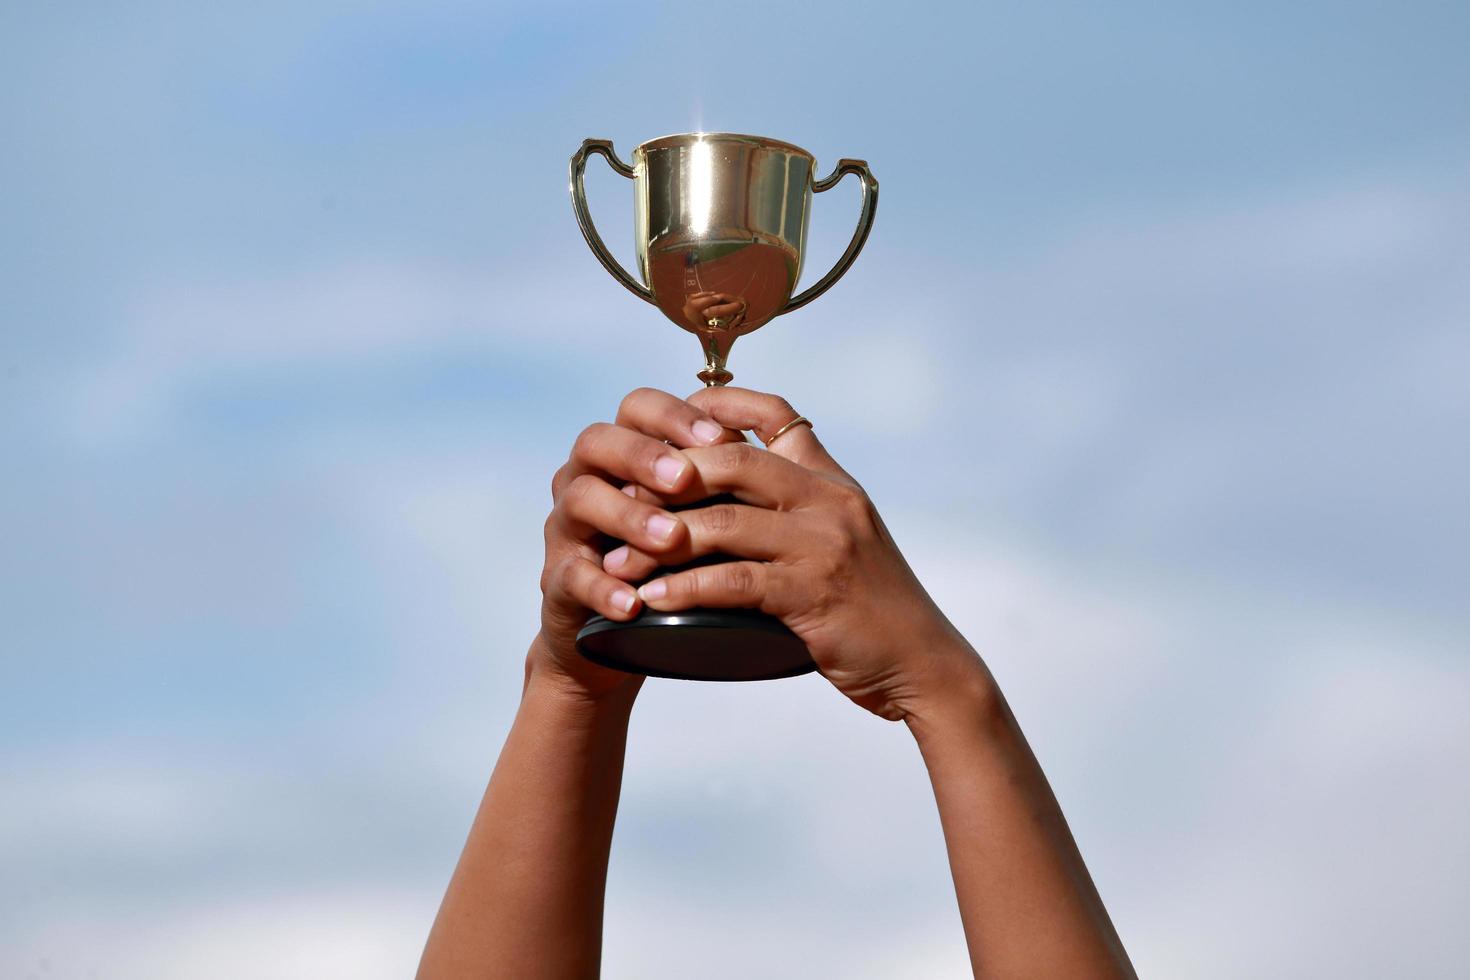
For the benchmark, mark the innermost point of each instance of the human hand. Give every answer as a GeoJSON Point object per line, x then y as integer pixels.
{"type": "Point", "coordinates": [707, 309]}
{"type": "Point", "coordinates": [812, 551]}
{"type": "Point", "coordinates": [595, 496]}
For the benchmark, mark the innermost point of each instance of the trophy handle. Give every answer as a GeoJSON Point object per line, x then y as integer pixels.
{"type": "Point", "coordinates": [584, 216]}
{"type": "Point", "coordinates": [859, 236]}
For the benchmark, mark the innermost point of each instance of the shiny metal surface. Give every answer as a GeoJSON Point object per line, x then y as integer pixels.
{"type": "Point", "coordinates": [720, 223]}
{"type": "Point", "coordinates": [584, 217]}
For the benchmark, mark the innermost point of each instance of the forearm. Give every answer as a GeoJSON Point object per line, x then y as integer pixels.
{"type": "Point", "coordinates": [526, 897]}
{"type": "Point", "coordinates": [1028, 905]}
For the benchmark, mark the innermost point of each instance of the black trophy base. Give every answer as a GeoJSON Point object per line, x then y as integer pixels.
{"type": "Point", "coordinates": [697, 645]}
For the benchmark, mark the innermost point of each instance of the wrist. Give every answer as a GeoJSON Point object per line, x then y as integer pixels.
{"type": "Point", "coordinates": [958, 692]}
{"type": "Point", "coordinates": [587, 688]}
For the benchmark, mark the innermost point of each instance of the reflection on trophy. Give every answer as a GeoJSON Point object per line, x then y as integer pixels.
{"type": "Point", "coordinates": [714, 311]}
{"type": "Point", "coordinates": [720, 223]}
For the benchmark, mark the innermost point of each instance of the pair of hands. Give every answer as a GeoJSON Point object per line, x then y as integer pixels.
{"type": "Point", "coordinates": [706, 309]}
{"type": "Point", "coordinates": [808, 547]}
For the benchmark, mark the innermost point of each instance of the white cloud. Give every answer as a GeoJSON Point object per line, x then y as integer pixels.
{"type": "Point", "coordinates": [1290, 760]}
{"type": "Point", "coordinates": [185, 334]}
{"type": "Point", "coordinates": [784, 815]}
{"type": "Point", "coordinates": [342, 932]}
{"type": "Point", "coordinates": [1330, 842]}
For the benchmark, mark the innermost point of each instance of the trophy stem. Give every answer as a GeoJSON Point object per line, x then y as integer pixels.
{"type": "Point", "coordinates": [714, 374]}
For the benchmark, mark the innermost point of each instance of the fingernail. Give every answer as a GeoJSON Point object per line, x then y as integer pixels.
{"type": "Point", "coordinates": [631, 489]}
{"type": "Point", "coordinates": [653, 591]}
{"type": "Point", "coordinates": [624, 599]}
{"type": "Point", "coordinates": [615, 559]}
{"type": "Point", "coordinates": [706, 431]}
{"type": "Point", "coordinates": [660, 526]}
{"type": "Point", "coordinates": [668, 469]}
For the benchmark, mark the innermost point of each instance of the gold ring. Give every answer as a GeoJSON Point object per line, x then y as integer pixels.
{"type": "Point", "coordinates": [799, 420]}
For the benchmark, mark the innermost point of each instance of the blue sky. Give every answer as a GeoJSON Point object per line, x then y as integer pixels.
{"type": "Point", "coordinates": [1155, 363]}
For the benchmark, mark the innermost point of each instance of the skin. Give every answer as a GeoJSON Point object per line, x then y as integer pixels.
{"type": "Point", "coordinates": [703, 307]}
{"type": "Point", "coordinates": [526, 898]}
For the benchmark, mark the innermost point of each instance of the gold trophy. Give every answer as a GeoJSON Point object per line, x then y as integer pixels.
{"type": "Point", "coordinates": [720, 223]}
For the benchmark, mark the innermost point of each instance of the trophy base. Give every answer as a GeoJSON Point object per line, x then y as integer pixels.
{"type": "Point", "coordinates": [697, 645]}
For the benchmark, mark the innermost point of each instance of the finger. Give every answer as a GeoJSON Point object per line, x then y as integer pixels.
{"type": "Point", "coordinates": [615, 452]}
{"type": "Point", "coordinates": [664, 416]}
{"type": "Point", "coordinates": [730, 585]}
{"type": "Point", "coordinates": [629, 564]}
{"type": "Point", "coordinates": [625, 561]}
{"type": "Point", "coordinates": [752, 474]}
{"type": "Point", "coordinates": [590, 506]}
{"type": "Point", "coordinates": [765, 414]}
{"type": "Point", "coordinates": [724, 309]}
{"type": "Point", "coordinates": [737, 530]}
{"type": "Point", "coordinates": [578, 581]}
{"type": "Point", "coordinates": [639, 492]}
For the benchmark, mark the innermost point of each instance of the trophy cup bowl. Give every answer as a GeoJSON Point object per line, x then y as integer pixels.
{"type": "Point", "coordinates": [720, 223]}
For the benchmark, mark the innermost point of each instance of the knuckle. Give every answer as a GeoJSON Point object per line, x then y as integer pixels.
{"type": "Point", "coordinates": [856, 520]}
{"type": "Point", "coordinates": [586, 442]}
{"type": "Point", "coordinates": [738, 578]}
{"type": "Point", "coordinates": [780, 406]}
{"type": "Point", "coordinates": [733, 456]}
{"type": "Point", "coordinates": [567, 576]}
{"type": "Point", "coordinates": [579, 491]}
{"type": "Point", "coordinates": [853, 501]}
{"type": "Point", "coordinates": [839, 545]}
{"type": "Point", "coordinates": [835, 567]}
{"type": "Point", "coordinates": [633, 398]}
{"type": "Point", "coordinates": [554, 577]}
{"type": "Point", "coordinates": [719, 520]}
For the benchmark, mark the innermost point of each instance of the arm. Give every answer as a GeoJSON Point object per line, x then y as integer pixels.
{"type": "Point", "coordinates": [1028, 905]}
{"type": "Point", "coordinates": [526, 898]}
{"type": "Point", "coordinates": [818, 557]}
